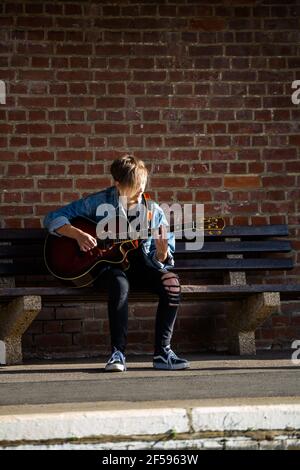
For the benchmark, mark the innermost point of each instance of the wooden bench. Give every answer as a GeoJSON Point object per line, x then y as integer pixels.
{"type": "Point", "coordinates": [217, 272]}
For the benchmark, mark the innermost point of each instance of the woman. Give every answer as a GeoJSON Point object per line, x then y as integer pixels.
{"type": "Point", "coordinates": [149, 263]}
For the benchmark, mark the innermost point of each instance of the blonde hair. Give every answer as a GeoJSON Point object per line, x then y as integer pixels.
{"type": "Point", "coordinates": [128, 171]}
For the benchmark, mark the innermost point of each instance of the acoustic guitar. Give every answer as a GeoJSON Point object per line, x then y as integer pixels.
{"type": "Point", "coordinates": [77, 268]}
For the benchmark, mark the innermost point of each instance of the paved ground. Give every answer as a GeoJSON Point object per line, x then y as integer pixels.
{"type": "Point", "coordinates": [220, 402]}
{"type": "Point", "coordinates": [211, 377]}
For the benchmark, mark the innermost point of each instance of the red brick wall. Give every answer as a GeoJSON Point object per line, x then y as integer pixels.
{"type": "Point", "coordinates": [201, 90]}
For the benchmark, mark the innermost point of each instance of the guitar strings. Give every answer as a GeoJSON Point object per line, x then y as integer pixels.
{"type": "Point", "coordinates": [123, 240]}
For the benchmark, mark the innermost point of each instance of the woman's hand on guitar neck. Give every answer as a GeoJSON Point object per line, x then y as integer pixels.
{"type": "Point", "coordinates": [85, 241]}
{"type": "Point", "coordinates": [161, 244]}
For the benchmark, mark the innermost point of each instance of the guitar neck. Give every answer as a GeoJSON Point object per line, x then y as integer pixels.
{"type": "Point", "coordinates": [211, 224]}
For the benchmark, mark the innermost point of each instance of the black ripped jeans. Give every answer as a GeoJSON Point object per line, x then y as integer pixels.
{"type": "Point", "coordinates": [117, 282]}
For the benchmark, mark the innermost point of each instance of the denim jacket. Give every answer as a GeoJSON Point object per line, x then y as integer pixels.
{"type": "Point", "coordinates": [87, 207]}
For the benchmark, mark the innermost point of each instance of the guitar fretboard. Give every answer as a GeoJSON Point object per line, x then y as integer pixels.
{"type": "Point", "coordinates": [213, 225]}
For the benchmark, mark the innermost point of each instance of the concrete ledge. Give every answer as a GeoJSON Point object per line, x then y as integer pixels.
{"type": "Point", "coordinates": [39, 427]}
{"type": "Point", "coordinates": [149, 422]}
{"type": "Point", "coordinates": [236, 418]}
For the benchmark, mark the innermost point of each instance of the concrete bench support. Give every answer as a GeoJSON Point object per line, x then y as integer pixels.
{"type": "Point", "coordinates": [15, 318]}
{"type": "Point", "coordinates": [246, 317]}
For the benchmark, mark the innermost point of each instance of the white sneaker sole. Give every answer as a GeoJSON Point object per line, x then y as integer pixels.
{"type": "Point", "coordinates": [115, 368]}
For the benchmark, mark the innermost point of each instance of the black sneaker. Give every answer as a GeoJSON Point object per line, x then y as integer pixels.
{"type": "Point", "coordinates": [169, 361]}
{"type": "Point", "coordinates": [116, 362]}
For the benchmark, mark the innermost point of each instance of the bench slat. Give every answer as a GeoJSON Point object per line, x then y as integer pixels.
{"type": "Point", "coordinates": [21, 251]}
{"type": "Point", "coordinates": [29, 268]}
{"type": "Point", "coordinates": [272, 246]}
{"type": "Point", "coordinates": [194, 291]}
{"type": "Point", "coordinates": [251, 231]}
{"type": "Point", "coordinates": [242, 264]}
{"type": "Point", "coordinates": [278, 246]}
{"type": "Point", "coordinates": [278, 230]}
{"type": "Point", "coordinates": [181, 265]}
{"type": "Point", "coordinates": [7, 234]}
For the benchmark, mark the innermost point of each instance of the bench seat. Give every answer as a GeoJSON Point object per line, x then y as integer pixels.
{"type": "Point", "coordinates": [189, 292]}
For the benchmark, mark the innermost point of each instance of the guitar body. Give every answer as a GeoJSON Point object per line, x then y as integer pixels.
{"type": "Point", "coordinates": [77, 268]}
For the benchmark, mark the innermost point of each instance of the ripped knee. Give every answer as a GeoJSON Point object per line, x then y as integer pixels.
{"type": "Point", "coordinates": [172, 286]}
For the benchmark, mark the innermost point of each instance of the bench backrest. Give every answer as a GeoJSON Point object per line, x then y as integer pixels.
{"type": "Point", "coordinates": [240, 248]}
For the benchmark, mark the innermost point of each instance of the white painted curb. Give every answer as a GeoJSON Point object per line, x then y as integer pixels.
{"type": "Point", "coordinates": [35, 427]}
{"type": "Point", "coordinates": [134, 422]}
{"type": "Point", "coordinates": [242, 418]}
